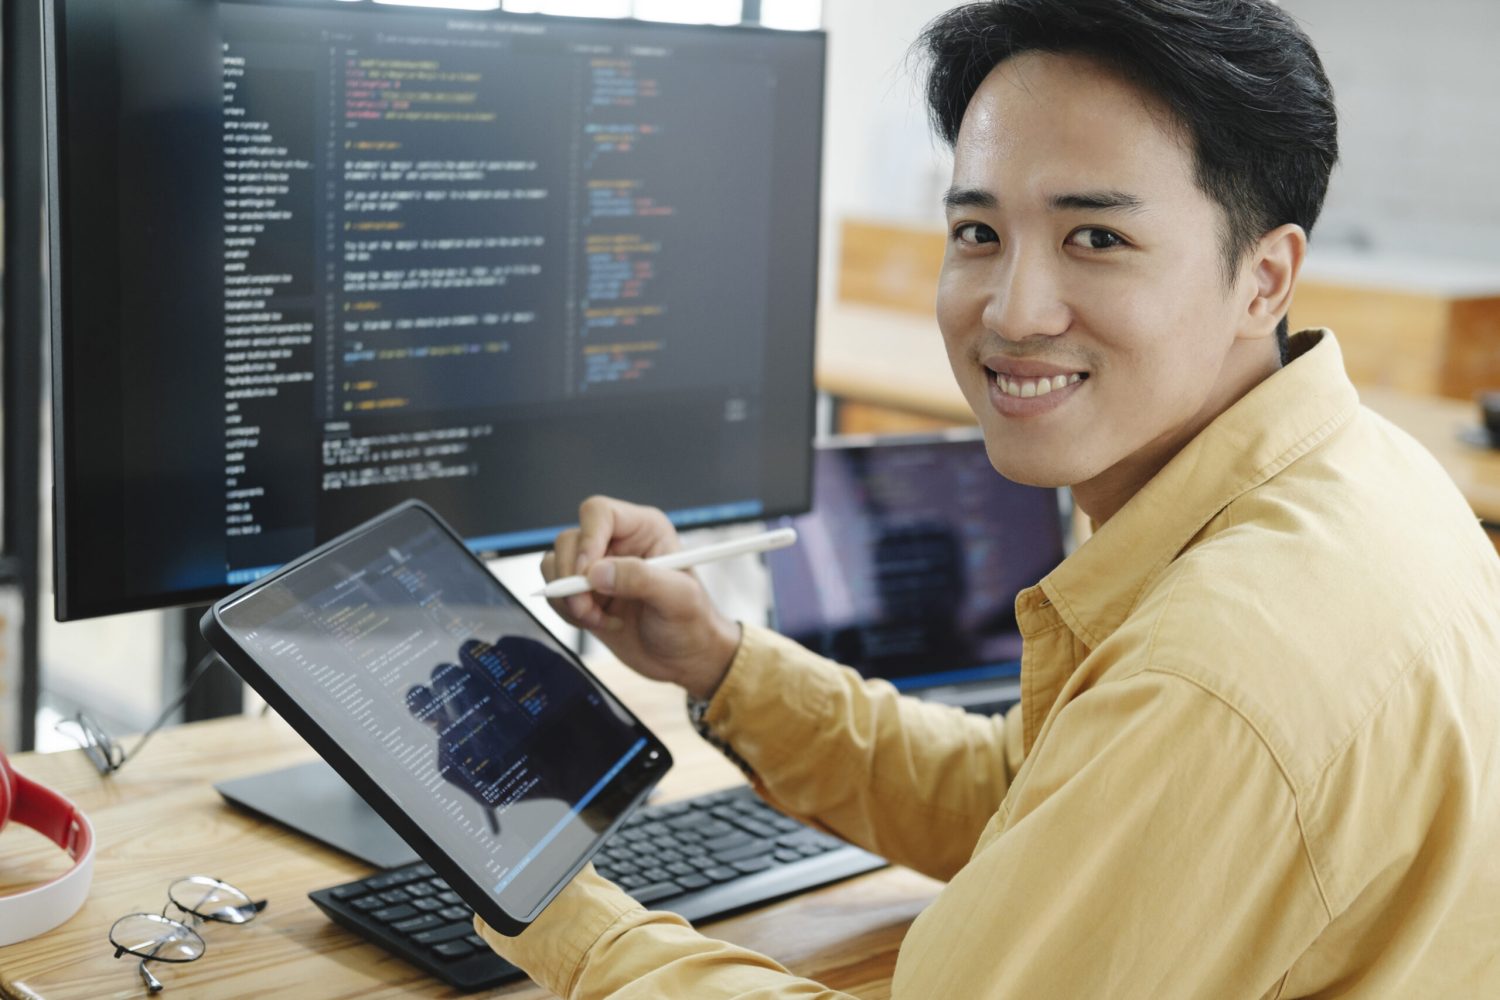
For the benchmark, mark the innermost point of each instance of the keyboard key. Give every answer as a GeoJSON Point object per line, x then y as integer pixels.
{"type": "Point", "coordinates": [722, 873]}
{"type": "Point", "coordinates": [454, 949]}
{"type": "Point", "coordinates": [347, 892]}
{"type": "Point", "coordinates": [477, 941]}
{"type": "Point", "coordinates": [693, 881]}
{"type": "Point", "coordinates": [430, 904]}
{"type": "Point", "coordinates": [394, 913]}
{"type": "Point", "coordinates": [752, 865]}
{"type": "Point", "coordinates": [368, 903]}
{"type": "Point", "coordinates": [450, 897]}
{"type": "Point", "coordinates": [648, 894]}
{"type": "Point", "coordinates": [394, 878]}
{"type": "Point", "coordinates": [715, 828]}
{"type": "Point", "coordinates": [753, 849]}
{"type": "Point", "coordinates": [756, 827]}
{"type": "Point", "coordinates": [394, 896]}
{"type": "Point", "coordinates": [420, 889]}
{"type": "Point", "coordinates": [440, 934]}
{"type": "Point", "coordinates": [786, 855]}
{"type": "Point", "coordinates": [808, 838]}
{"type": "Point", "coordinates": [717, 845]}
{"type": "Point", "coordinates": [456, 913]}
{"type": "Point", "coordinates": [418, 923]}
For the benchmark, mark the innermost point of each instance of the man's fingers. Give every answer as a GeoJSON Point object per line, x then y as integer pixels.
{"type": "Point", "coordinates": [563, 555]}
{"type": "Point", "coordinates": [629, 578]}
{"type": "Point", "coordinates": [615, 527]}
{"type": "Point", "coordinates": [597, 517]}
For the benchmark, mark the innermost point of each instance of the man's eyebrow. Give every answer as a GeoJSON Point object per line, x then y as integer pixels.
{"type": "Point", "coordinates": [1097, 201]}
{"type": "Point", "coordinates": [1088, 201]}
{"type": "Point", "coordinates": [969, 198]}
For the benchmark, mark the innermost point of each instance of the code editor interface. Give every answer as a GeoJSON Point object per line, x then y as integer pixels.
{"type": "Point", "coordinates": [496, 263]}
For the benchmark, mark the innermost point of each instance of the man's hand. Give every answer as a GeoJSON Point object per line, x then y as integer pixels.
{"type": "Point", "coordinates": [660, 622]}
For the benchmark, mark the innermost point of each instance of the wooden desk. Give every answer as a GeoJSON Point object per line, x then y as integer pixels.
{"type": "Point", "coordinates": [896, 361]}
{"type": "Point", "coordinates": [159, 818]}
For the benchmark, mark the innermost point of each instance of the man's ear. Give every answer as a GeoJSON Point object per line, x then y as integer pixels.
{"type": "Point", "coordinates": [1270, 277]}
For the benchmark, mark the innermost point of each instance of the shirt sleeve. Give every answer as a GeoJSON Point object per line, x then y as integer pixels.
{"type": "Point", "coordinates": [912, 781]}
{"type": "Point", "coordinates": [593, 941]}
{"type": "Point", "coordinates": [1153, 849]}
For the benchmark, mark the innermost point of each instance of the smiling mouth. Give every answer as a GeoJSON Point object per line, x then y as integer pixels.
{"type": "Point", "coordinates": [1027, 388]}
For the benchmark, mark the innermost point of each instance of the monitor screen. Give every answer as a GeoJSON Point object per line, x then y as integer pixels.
{"type": "Point", "coordinates": [312, 259]}
{"type": "Point", "coordinates": [909, 564]}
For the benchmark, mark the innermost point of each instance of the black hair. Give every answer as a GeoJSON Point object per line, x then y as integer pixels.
{"type": "Point", "coordinates": [1239, 75]}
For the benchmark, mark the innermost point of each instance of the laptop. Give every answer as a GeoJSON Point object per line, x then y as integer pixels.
{"type": "Point", "coordinates": [909, 564]}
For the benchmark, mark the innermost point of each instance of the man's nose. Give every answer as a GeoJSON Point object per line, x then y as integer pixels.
{"type": "Point", "coordinates": [1024, 300]}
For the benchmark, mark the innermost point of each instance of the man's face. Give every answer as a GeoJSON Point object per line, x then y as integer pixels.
{"type": "Point", "coordinates": [1083, 301]}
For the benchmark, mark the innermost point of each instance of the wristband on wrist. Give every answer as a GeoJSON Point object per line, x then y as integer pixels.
{"type": "Point", "coordinates": [697, 710]}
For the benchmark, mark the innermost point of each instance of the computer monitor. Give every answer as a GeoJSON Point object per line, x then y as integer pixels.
{"type": "Point", "coordinates": [314, 258]}
{"type": "Point", "coordinates": [909, 564]}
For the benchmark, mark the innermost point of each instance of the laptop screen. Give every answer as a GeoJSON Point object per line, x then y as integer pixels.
{"type": "Point", "coordinates": [909, 564]}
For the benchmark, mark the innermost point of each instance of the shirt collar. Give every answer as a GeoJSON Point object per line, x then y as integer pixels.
{"type": "Point", "coordinates": [1282, 418]}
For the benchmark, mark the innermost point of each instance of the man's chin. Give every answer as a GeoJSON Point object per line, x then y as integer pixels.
{"type": "Point", "coordinates": [1031, 470]}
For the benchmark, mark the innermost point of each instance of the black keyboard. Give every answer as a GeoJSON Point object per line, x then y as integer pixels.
{"type": "Point", "coordinates": [702, 858]}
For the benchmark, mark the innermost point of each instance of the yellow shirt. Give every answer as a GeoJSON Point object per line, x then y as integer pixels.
{"type": "Point", "coordinates": [1257, 752]}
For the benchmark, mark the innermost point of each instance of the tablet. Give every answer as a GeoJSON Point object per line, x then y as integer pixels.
{"type": "Point", "coordinates": [479, 738]}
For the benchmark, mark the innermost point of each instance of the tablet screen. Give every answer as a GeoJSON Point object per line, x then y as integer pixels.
{"type": "Point", "coordinates": [487, 734]}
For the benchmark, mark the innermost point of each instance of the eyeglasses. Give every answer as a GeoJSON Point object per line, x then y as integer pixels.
{"type": "Point", "coordinates": [154, 937]}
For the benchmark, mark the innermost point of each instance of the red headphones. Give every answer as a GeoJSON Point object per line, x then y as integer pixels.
{"type": "Point", "coordinates": [35, 911]}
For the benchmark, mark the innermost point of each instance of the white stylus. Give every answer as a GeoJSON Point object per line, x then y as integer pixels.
{"type": "Point", "coordinates": [766, 541]}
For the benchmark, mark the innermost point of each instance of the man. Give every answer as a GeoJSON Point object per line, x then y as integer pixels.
{"type": "Point", "coordinates": [1258, 748]}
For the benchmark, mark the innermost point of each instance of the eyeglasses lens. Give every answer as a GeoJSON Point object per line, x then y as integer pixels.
{"type": "Point", "coordinates": [156, 937]}
{"type": "Point", "coordinates": [213, 900]}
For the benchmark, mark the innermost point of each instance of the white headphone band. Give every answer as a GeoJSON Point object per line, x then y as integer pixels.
{"type": "Point", "coordinates": [35, 911]}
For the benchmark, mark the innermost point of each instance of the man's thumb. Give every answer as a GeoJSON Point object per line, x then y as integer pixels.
{"type": "Point", "coordinates": [633, 579]}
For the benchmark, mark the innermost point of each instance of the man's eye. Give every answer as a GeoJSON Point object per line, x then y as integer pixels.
{"type": "Point", "coordinates": [1094, 238]}
{"type": "Point", "coordinates": [975, 232]}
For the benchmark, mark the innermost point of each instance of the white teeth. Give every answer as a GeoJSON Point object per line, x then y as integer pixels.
{"type": "Point", "coordinates": [1031, 387]}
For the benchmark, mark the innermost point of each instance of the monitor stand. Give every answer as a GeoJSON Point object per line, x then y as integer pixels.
{"type": "Point", "coordinates": [314, 801]}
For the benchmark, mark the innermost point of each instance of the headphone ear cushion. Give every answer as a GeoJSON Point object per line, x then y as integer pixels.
{"type": "Point", "coordinates": [7, 790]}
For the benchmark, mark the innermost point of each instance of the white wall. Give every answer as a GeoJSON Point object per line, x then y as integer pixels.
{"type": "Point", "coordinates": [879, 159]}
{"type": "Point", "coordinates": [1418, 91]}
